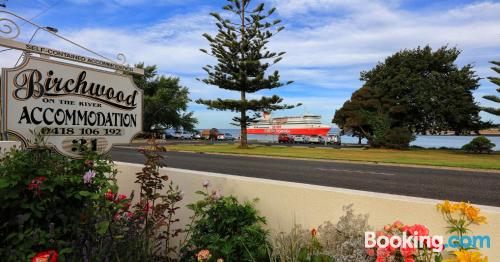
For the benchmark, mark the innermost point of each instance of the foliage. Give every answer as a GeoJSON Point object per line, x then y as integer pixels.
{"type": "Point", "coordinates": [493, 98]}
{"type": "Point", "coordinates": [155, 208]}
{"type": "Point", "coordinates": [70, 208]}
{"type": "Point", "coordinates": [479, 145]}
{"type": "Point", "coordinates": [228, 229]}
{"type": "Point", "coordinates": [48, 204]}
{"type": "Point", "coordinates": [343, 242]}
{"type": "Point", "coordinates": [165, 101]}
{"type": "Point", "coordinates": [243, 59]}
{"type": "Point", "coordinates": [420, 90]}
{"type": "Point", "coordinates": [459, 217]}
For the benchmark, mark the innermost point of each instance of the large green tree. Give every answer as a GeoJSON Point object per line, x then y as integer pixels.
{"type": "Point", "coordinates": [494, 98]}
{"type": "Point", "coordinates": [165, 101]}
{"type": "Point", "coordinates": [419, 90]}
{"type": "Point", "coordinates": [243, 59]}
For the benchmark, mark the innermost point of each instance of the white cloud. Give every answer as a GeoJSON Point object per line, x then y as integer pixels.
{"type": "Point", "coordinates": [328, 42]}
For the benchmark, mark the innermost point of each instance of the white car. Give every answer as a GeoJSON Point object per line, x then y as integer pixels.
{"type": "Point", "coordinates": [316, 139]}
{"type": "Point", "coordinates": [301, 139]}
{"type": "Point", "coordinates": [333, 140]}
{"type": "Point", "coordinates": [182, 135]}
{"type": "Point", "coordinates": [225, 136]}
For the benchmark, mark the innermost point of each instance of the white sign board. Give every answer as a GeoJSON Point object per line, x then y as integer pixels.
{"type": "Point", "coordinates": [70, 105]}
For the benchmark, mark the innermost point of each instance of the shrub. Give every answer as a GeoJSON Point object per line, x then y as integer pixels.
{"type": "Point", "coordinates": [479, 145]}
{"type": "Point", "coordinates": [342, 242]}
{"type": "Point", "coordinates": [397, 138]}
{"type": "Point", "coordinates": [47, 202]}
{"type": "Point", "coordinates": [226, 228]}
{"type": "Point", "coordinates": [345, 240]}
{"type": "Point", "coordinates": [71, 209]}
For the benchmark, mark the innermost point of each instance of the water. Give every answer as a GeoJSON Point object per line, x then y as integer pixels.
{"type": "Point", "coordinates": [422, 141]}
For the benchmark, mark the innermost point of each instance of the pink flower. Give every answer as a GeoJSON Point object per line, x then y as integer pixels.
{"type": "Point", "coordinates": [203, 255]}
{"type": "Point", "coordinates": [147, 207]}
{"type": "Point", "coordinates": [117, 216]}
{"type": "Point", "coordinates": [418, 230]}
{"type": "Point", "coordinates": [407, 251]}
{"type": "Point", "coordinates": [129, 215]}
{"type": "Point", "coordinates": [87, 177]}
{"type": "Point", "coordinates": [206, 184]}
{"type": "Point", "coordinates": [216, 195]}
{"type": "Point", "coordinates": [383, 253]}
{"type": "Point", "coordinates": [397, 224]}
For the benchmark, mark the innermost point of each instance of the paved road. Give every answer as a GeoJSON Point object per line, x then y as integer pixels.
{"type": "Point", "coordinates": [476, 187]}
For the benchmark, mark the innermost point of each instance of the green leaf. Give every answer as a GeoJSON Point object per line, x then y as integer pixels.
{"type": "Point", "coordinates": [4, 183]}
{"type": "Point", "coordinates": [85, 193]}
{"type": "Point", "coordinates": [102, 227]}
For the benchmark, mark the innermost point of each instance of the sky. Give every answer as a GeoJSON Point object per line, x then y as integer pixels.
{"type": "Point", "coordinates": [328, 42]}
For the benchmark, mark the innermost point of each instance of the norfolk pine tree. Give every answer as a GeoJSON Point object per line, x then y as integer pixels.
{"type": "Point", "coordinates": [242, 61]}
{"type": "Point", "coordinates": [496, 81]}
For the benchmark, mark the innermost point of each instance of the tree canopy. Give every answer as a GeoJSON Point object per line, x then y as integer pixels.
{"type": "Point", "coordinates": [494, 98]}
{"type": "Point", "coordinates": [165, 101]}
{"type": "Point", "coordinates": [243, 60]}
{"type": "Point", "coordinates": [415, 91]}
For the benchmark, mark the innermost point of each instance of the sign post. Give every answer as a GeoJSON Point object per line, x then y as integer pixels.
{"type": "Point", "coordinates": [71, 105]}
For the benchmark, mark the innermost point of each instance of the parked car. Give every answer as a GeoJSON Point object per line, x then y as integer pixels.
{"type": "Point", "coordinates": [301, 139]}
{"type": "Point", "coordinates": [210, 134]}
{"type": "Point", "coordinates": [285, 138]}
{"type": "Point", "coordinates": [168, 135]}
{"type": "Point", "coordinates": [225, 137]}
{"type": "Point", "coordinates": [315, 139]}
{"type": "Point", "coordinates": [333, 140]}
{"type": "Point", "coordinates": [197, 136]}
{"type": "Point", "coordinates": [182, 135]}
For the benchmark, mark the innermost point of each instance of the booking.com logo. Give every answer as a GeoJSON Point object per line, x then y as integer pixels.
{"type": "Point", "coordinates": [435, 243]}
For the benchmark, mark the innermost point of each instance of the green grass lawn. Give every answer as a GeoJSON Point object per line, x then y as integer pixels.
{"type": "Point", "coordinates": [427, 157]}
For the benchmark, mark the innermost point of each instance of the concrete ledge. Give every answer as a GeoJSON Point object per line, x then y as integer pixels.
{"type": "Point", "coordinates": [284, 203]}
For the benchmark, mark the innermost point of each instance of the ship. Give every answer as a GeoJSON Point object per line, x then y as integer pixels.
{"type": "Point", "coordinates": [291, 125]}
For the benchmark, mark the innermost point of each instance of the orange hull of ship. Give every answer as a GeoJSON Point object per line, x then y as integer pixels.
{"type": "Point", "coordinates": [321, 131]}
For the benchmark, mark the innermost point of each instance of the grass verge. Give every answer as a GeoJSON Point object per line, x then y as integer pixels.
{"type": "Point", "coordinates": [425, 157]}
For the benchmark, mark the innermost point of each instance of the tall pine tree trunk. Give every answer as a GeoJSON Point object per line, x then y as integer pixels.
{"type": "Point", "coordinates": [243, 121]}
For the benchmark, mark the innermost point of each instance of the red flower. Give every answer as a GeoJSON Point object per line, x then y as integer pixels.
{"type": "Point", "coordinates": [314, 232]}
{"type": "Point", "coordinates": [110, 195]}
{"type": "Point", "coordinates": [121, 197]}
{"type": "Point", "coordinates": [89, 163]}
{"type": "Point", "coordinates": [35, 184]}
{"type": "Point", "coordinates": [370, 252]}
{"type": "Point", "coordinates": [45, 256]}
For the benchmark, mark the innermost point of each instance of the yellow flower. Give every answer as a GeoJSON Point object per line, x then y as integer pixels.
{"type": "Point", "coordinates": [473, 215]}
{"type": "Point", "coordinates": [446, 207]}
{"type": "Point", "coordinates": [466, 256]}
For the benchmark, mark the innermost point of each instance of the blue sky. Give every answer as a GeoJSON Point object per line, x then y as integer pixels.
{"type": "Point", "coordinates": [328, 42]}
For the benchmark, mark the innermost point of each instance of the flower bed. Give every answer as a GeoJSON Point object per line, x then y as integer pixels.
{"type": "Point", "coordinates": [56, 209]}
